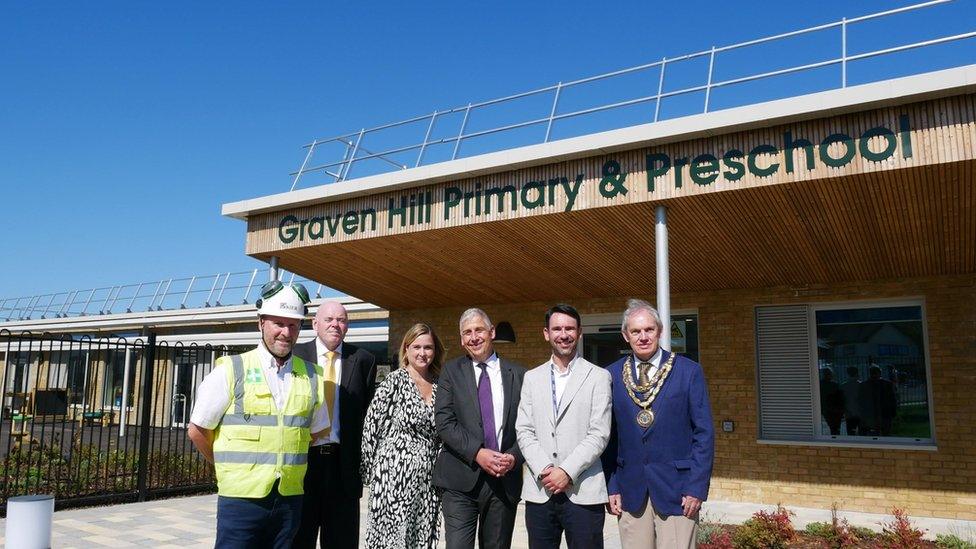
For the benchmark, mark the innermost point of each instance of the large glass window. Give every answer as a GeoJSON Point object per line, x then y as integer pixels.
{"type": "Point", "coordinates": [69, 370]}
{"type": "Point", "coordinates": [849, 372]}
{"type": "Point", "coordinates": [872, 375]}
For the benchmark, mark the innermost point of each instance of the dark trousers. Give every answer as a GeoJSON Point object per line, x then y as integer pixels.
{"type": "Point", "coordinates": [486, 509]}
{"type": "Point", "coordinates": [327, 508]}
{"type": "Point", "coordinates": [257, 523]}
{"type": "Point", "coordinates": [546, 522]}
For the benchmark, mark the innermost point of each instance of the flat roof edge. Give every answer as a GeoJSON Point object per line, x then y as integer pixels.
{"type": "Point", "coordinates": [897, 91]}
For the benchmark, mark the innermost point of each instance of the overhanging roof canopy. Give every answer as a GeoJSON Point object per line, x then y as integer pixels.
{"type": "Point", "coordinates": [876, 193]}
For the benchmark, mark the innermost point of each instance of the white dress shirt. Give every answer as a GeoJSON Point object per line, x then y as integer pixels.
{"type": "Point", "coordinates": [497, 391]}
{"type": "Point", "coordinates": [655, 364]}
{"type": "Point", "coordinates": [212, 396]}
{"type": "Point", "coordinates": [323, 361]}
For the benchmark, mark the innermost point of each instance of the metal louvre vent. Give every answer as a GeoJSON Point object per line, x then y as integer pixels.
{"type": "Point", "coordinates": [785, 386]}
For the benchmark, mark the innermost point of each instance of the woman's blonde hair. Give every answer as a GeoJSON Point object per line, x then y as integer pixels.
{"type": "Point", "coordinates": [413, 333]}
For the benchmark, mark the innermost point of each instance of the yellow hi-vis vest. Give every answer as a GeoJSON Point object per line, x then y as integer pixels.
{"type": "Point", "coordinates": [255, 444]}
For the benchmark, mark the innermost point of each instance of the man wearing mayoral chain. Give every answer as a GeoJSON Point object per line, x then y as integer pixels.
{"type": "Point", "coordinates": [659, 460]}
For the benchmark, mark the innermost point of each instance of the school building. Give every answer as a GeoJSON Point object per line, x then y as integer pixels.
{"type": "Point", "coordinates": [816, 254]}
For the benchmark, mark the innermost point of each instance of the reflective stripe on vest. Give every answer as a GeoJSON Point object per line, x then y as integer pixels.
{"type": "Point", "coordinates": [256, 443]}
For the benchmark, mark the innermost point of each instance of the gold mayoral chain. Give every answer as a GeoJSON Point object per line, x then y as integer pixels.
{"type": "Point", "coordinates": [645, 418]}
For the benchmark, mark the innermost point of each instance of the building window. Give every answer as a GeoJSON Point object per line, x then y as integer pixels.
{"type": "Point", "coordinates": [116, 372]}
{"type": "Point", "coordinates": [844, 373]}
{"type": "Point", "coordinates": [69, 371]}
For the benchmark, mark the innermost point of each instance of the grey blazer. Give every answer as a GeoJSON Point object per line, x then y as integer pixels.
{"type": "Point", "coordinates": [573, 439]}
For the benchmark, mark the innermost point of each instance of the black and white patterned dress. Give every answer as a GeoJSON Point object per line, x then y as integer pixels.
{"type": "Point", "coordinates": [399, 448]}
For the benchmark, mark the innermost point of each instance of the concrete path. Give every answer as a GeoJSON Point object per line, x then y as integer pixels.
{"type": "Point", "coordinates": [190, 522]}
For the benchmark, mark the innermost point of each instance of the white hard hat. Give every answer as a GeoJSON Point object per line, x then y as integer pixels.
{"type": "Point", "coordinates": [285, 300]}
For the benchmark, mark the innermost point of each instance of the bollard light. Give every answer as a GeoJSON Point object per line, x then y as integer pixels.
{"type": "Point", "coordinates": [29, 522]}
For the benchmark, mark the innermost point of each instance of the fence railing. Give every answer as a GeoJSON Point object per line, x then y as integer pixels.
{"type": "Point", "coordinates": [350, 149]}
{"type": "Point", "coordinates": [213, 290]}
{"type": "Point", "coordinates": [93, 420]}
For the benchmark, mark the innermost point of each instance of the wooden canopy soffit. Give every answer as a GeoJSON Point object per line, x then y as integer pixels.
{"type": "Point", "coordinates": [879, 194]}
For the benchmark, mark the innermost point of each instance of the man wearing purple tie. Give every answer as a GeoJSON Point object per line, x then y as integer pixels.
{"type": "Point", "coordinates": [480, 466]}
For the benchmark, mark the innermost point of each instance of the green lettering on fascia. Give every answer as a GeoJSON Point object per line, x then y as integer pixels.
{"type": "Point", "coordinates": [408, 210]}
{"type": "Point", "coordinates": [538, 189]}
{"type": "Point", "coordinates": [752, 160]}
{"type": "Point", "coordinates": [789, 145]}
{"type": "Point", "coordinates": [571, 190]}
{"type": "Point", "coordinates": [500, 194]}
{"type": "Point", "coordinates": [736, 169]}
{"type": "Point", "coordinates": [287, 232]}
{"type": "Point", "coordinates": [704, 169]}
{"type": "Point", "coordinates": [452, 197]}
{"type": "Point", "coordinates": [841, 160]}
{"type": "Point", "coordinates": [291, 228]}
{"type": "Point", "coordinates": [658, 165]}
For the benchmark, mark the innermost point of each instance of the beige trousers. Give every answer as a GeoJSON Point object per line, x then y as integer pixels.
{"type": "Point", "coordinates": [649, 530]}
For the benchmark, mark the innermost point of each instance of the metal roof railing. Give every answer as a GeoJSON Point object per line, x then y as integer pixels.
{"type": "Point", "coordinates": [353, 145]}
{"type": "Point", "coordinates": [215, 290]}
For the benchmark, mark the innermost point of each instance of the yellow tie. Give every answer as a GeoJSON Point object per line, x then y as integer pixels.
{"type": "Point", "coordinates": [330, 385]}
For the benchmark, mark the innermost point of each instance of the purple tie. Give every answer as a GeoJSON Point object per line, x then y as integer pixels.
{"type": "Point", "coordinates": [487, 410]}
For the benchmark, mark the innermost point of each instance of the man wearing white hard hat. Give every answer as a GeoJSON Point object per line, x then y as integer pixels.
{"type": "Point", "coordinates": [254, 417]}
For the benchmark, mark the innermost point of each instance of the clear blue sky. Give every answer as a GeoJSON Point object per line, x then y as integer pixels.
{"type": "Point", "coordinates": [125, 125]}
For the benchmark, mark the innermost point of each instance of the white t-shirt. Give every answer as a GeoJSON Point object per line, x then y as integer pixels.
{"type": "Point", "coordinates": [213, 394]}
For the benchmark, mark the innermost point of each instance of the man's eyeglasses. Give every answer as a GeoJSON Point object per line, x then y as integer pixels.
{"type": "Point", "coordinates": [275, 286]}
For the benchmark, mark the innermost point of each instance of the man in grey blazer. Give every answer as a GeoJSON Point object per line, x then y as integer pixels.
{"type": "Point", "coordinates": [479, 467]}
{"type": "Point", "coordinates": [563, 427]}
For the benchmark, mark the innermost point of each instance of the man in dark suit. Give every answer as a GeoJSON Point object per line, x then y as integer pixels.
{"type": "Point", "coordinates": [659, 460]}
{"type": "Point", "coordinates": [479, 467]}
{"type": "Point", "coordinates": [333, 485]}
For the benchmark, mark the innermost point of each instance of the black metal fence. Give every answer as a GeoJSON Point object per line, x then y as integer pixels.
{"type": "Point", "coordinates": [94, 420]}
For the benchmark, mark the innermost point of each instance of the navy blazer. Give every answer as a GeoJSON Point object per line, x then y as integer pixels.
{"type": "Point", "coordinates": [673, 457]}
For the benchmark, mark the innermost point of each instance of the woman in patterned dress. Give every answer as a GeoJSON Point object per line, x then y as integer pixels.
{"type": "Point", "coordinates": [400, 445]}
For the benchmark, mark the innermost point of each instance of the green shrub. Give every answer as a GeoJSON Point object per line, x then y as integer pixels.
{"type": "Point", "coordinates": [899, 533]}
{"type": "Point", "coordinates": [765, 531]}
{"type": "Point", "coordinates": [952, 541]}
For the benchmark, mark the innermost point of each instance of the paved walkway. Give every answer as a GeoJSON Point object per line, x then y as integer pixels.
{"type": "Point", "coordinates": [180, 522]}
{"type": "Point", "coordinates": [190, 522]}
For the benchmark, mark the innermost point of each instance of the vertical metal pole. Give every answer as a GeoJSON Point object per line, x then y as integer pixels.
{"type": "Point", "coordinates": [111, 293]}
{"type": "Point", "coordinates": [423, 146]}
{"type": "Point", "coordinates": [2, 303]}
{"type": "Point", "coordinates": [31, 305]}
{"type": "Point", "coordinates": [464, 124]}
{"type": "Point", "coordinates": [843, 52]}
{"type": "Point", "coordinates": [304, 163]}
{"type": "Point", "coordinates": [116, 299]}
{"type": "Point", "coordinates": [660, 89]}
{"type": "Point", "coordinates": [249, 286]}
{"type": "Point", "coordinates": [187, 294]}
{"type": "Point", "coordinates": [552, 113]}
{"type": "Point", "coordinates": [318, 292]}
{"type": "Point", "coordinates": [125, 391]}
{"type": "Point", "coordinates": [146, 418]}
{"type": "Point", "coordinates": [663, 274]}
{"type": "Point", "coordinates": [273, 272]}
{"type": "Point", "coordinates": [68, 302]}
{"type": "Point", "coordinates": [344, 172]}
{"type": "Point", "coordinates": [708, 87]}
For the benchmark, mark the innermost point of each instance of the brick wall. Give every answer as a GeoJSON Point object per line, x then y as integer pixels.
{"type": "Point", "coordinates": [939, 483]}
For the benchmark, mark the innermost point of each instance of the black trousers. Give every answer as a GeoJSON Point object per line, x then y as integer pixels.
{"type": "Point", "coordinates": [327, 509]}
{"type": "Point", "coordinates": [546, 522]}
{"type": "Point", "coordinates": [486, 509]}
